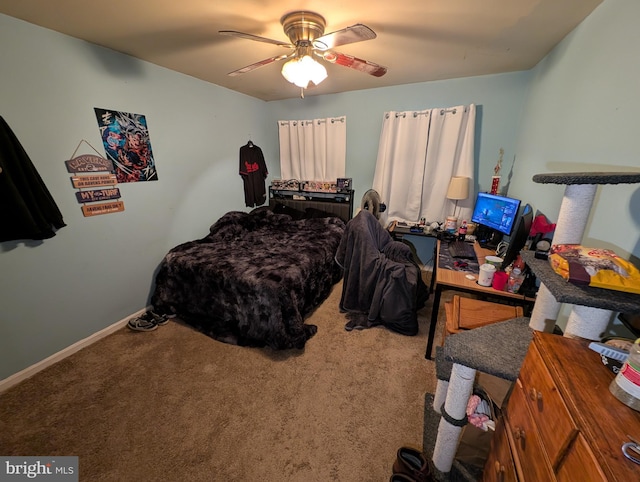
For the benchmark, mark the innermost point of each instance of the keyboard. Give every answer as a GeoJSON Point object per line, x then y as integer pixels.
{"type": "Point", "coordinates": [460, 249]}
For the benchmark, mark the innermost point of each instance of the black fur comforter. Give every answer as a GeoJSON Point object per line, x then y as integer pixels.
{"type": "Point", "coordinates": [253, 279]}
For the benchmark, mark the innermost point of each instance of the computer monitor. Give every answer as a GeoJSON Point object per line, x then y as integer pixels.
{"type": "Point", "coordinates": [495, 216]}
{"type": "Point", "coordinates": [519, 237]}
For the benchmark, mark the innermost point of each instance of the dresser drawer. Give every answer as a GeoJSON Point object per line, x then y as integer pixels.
{"type": "Point", "coordinates": [531, 458]}
{"type": "Point", "coordinates": [499, 466]}
{"type": "Point", "coordinates": [580, 464]}
{"type": "Point", "coordinates": [555, 424]}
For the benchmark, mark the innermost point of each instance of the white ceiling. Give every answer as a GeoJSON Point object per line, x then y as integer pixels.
{"type": "Point", "coordinates": [417, 40]}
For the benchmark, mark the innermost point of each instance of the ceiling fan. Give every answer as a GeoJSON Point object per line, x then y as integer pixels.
{"type": "Point", "coordinates": [308, 41]}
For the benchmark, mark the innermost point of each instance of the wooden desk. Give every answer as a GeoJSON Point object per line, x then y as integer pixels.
{"type": "Point", "coordinates": [443, 279]}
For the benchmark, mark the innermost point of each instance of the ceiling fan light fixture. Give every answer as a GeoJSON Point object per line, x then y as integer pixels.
{"type": "Point", "coordinates": [302, 70]}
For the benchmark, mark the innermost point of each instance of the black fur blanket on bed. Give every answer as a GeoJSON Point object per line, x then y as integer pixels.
{"type": "Point", "coordinates": [253, 279]}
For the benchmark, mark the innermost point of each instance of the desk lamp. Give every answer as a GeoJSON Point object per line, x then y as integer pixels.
{"type": "Point", "coordinates": [458, 189]}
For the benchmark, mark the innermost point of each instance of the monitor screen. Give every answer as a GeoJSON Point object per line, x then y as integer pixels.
{"type": "Point", "coordinates": [496, 212]}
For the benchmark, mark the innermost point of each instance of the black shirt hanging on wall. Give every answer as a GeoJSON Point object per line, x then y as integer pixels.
{"type": "Point", "coordinates": [253, 171]}
{"type": "Point", "coordinates": [27, 209]}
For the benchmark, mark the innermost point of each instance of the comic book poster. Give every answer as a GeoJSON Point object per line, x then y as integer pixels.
{"type": "Point", "coordinates": [126, 141]}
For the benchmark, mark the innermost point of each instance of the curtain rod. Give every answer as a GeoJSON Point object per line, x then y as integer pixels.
{"type": "Point", "coordinates": [404, 114]}
{"type": "Point", "coordinates": [309, 122]}
{"type": "Point", "coordinates": [453, 110]}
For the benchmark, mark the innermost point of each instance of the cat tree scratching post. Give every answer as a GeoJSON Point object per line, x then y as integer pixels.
{"type": "Point", "coordinates": [584, 321]}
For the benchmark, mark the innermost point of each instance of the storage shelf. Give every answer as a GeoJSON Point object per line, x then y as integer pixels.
{"type": "Point", "coordinates": [311, 195]}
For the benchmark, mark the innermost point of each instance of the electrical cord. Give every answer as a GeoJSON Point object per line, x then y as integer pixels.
{"type": "Point", "coordinates": [501, 249]}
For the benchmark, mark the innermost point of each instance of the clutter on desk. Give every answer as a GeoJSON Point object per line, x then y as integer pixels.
{"type": "Point", "coordinates": [494, 260]}
{"type": "Point", "coordinates": [487, 271]}
{"type": "Point", "coordinates": [500, 279]}
{"type": "Point", "coordinates": [541, 226]}
{"type": "Point", "coordinates": [516, 278]}
{"type": "Point", "coordinates": [451, 224]}
{"type": "Point", "coordinates": [462, 230]}
{"type": "Point", "coordinates": [421, 227]}
{"type": "Point", "coordinates": [447, 261]}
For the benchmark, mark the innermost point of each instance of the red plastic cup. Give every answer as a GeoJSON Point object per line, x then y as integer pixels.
{"type": "Point", "coordinates": [500, 279]}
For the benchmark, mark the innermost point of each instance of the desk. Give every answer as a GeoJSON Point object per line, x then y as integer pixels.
{"type": "Point", "coordinates": [397, 232]}
{"type": "Point", "coordinates": [443, 279]}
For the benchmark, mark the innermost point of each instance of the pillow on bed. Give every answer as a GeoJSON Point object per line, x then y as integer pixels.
{"type": "Point", "coordinates": [260, 209]}
{"type": "Point", "coordinates": [312, 213]}
{"type": "Point", "coordinates": [294, 213]}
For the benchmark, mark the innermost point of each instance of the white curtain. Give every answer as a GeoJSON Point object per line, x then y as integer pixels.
{"type": "Point", "coordinates": [418, 154]}
{"type": "Point", "coordinates": [313, 150]}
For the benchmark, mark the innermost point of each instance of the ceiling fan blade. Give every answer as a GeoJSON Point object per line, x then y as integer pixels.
{"type": "Point", "coordinates": [248, 36]}
{"type": "Point", "coordinates": [348, 35]}
{"type": "Point", "coordinates": [257, 65]}
{"type": "Point", "coordinates": [354, 63]}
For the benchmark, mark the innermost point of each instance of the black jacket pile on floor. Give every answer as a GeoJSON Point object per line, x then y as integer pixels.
{"type": "Point", "coordinates": [381, 278]}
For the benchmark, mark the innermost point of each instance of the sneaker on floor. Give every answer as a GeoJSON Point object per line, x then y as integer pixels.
{"type": "Point", "coordinates": [159, 320]}
{"type": "Point", "coordinates": [141, 324]}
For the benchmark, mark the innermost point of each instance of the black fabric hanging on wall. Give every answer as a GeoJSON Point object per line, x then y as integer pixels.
{"type": "Point", "coordinates": [253, 171]}
{"type": "Point", "coordinates": [27, 209]}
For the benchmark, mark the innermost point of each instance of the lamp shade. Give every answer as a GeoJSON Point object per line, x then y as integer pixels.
{"type": "Point", "coordinates": [458, 188]}
{"type": "Point", "coordinates": [301, 71]}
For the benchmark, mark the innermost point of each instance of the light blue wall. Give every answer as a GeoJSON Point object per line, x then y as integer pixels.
{"type": "Point", "coordinates": [99, 270]}
{"type": "Point", "coordinates": [582, 114]}
{"type": "Point", "coordinates": [500, 100]}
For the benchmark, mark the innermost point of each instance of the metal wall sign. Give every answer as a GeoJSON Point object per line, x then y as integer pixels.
{"type": "Point", "coordinates": [85, 165]}
{"type": "Point", "coordinates": [102, 208]}
{"type": "Point", "coordinates": [98, 195]}
{"type": "Point", "coordinates": [89, 163]}
{"type": "Point", "coordinates": [97, 180]}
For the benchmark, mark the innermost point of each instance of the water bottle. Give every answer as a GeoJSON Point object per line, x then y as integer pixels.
{"type": "Point", "coordinates": [626, 385]}
{"type": "Point", "coordinates": [515, 280]}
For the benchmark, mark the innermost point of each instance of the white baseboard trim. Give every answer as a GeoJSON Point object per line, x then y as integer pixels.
{"type": "Point", "coordinates": [28, 372]}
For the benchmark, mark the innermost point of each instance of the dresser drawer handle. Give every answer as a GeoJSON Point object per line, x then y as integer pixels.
{"type": "Point", "coordinates": [519, 434]}
{"type": "Point", "coordinates": [500, 470]}
{"type": "Point", "coordinates": [535, 395]}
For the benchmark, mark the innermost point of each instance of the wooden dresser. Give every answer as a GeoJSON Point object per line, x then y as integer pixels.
{"type": "Point", "coordinates": [561, 422]}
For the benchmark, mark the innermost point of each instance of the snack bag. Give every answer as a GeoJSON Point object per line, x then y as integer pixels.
{"type": "Point", "coordinates": [597, 267]}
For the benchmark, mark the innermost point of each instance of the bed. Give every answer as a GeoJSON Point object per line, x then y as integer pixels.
{"type": "Point", "coordinates": [255, 277]}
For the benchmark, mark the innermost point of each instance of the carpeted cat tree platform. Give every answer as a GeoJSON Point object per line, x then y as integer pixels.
{"type": "Point", "coordinates": [500, 349]}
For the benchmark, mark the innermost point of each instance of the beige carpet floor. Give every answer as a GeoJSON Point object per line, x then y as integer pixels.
{"type": "Point", "coordinates": [175, 405]}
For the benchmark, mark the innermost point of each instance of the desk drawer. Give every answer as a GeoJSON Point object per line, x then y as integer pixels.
{"type": "Point", "coordinates": [531, 458]}
{"type": "Point", "coordinates": [555, 424]}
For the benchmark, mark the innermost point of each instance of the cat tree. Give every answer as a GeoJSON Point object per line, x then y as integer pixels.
{"type": "Point", "coordinates": [499, 349]}
{"type": "Point", "coordinates": [593, 308]}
